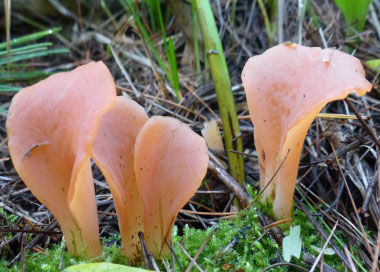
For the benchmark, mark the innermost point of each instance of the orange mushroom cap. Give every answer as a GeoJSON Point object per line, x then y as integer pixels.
{"type": "Point", "coordinates": [114, 152]}
{"type": "Point", "coordinates": [51, 128]}
{"type": "Point", "coordinates": [286, 88]}
{"type": "Point", "coordinates": [170, 162]}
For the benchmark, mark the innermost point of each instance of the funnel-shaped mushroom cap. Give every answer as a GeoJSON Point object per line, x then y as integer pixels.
{"type": "Point", "coordinates": [170, 162]}
{"type": "Point", "coordinates": [286, 87]}
{"type": "Point", "coordinates": [114, 152]}
{"type": "Point", "coordinates": [51, 128]}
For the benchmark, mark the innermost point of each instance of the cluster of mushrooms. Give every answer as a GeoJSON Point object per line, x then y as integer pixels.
{"type": "Point", "coordinates": [153, 166]}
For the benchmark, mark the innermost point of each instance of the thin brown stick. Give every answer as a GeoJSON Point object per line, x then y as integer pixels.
{"type": "Point", "coordinates": [352, 267]}
{"type": "Point", "coordinates": [199, 251]}
{"type": "Point", "coordinates": [61, 258]}
{"type": "Point", "coordinates": [23, 252]}
{"type": "Point", "coordinates": [365, 126]}
{"type": "Point", "coordinates": [125, 73]}
{"type": "Point", "coordinates": [230, 182]}
{"type": "Point", "coordinates": [145, 253]}
{"type": "Point", "coordinates": [189, 257]}
{"type": "Point", "coordinates": [279, 222]}
{"type": "Point", "coordinates": [53, 224]}
{"type": "Point", "coordinates": [310, 259]}
{"type": "Point", "coordinates": [163, 100]}
{"type": "Point", "coordinates": [208, 213]}
{"type": "Point", "coordinates": [153, 262]}
{"type": "Point", "coordinates": [323, 233]}
{"type": "Point", "coordinates": [174, 256]}
{"type": "Point", "coordinates": [369, 249]}
{"type": "Point", "coordinates": [270, 181]}
{"type": "Point", "coordinates": [324, 247]}
{"type": "Point", "coordinates": [201, 205]}
{"type": "Point", "coordinates": [48, 233]}
{"type": "Point", "coordinates": [299, 268]}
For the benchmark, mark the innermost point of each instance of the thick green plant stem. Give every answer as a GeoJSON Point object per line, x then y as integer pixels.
{"type": "Point", "coordinates": [220, 75]}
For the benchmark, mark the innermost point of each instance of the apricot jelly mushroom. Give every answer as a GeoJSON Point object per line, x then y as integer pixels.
{"type": "Point", "coordinates": [51, 128]}
{"type": "Point", "coordinates": [170, 162]}
{"type": "Point", "coordinates": [114, 152]}
{"type": "Point", "coordinates": [286, 88]}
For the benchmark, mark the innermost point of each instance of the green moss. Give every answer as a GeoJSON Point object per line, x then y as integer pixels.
{"type": "Point", "coordinates": [9, 218]}
{"type": "Point", "coordinates": [236, 243]}
{"type": "Point", "coordinates": [50, 260]}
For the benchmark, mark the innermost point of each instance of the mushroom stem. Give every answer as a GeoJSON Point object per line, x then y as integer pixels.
{"type": "Point", "coordinates": [286, 87]}
{"type": "Point", "coordinates": [287, 176]}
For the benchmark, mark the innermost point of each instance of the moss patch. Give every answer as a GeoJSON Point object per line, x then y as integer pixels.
{"type": "Point", "coordinates": [235, 244]}
{"type": "Point", "coordinates": [238, 243]}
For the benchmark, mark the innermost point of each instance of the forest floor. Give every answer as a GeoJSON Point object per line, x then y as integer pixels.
{"type": "Point", "coordinates": [323, 196]}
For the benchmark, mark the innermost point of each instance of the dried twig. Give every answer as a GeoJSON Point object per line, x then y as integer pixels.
{"type": "Point", "coordinates": [189, 257]}
{"type": "Point", "coordinates": [230, 182]}
{"type": "Point", "coordinates": [365, 126]}
{"type": "Point", "coordinates": [53, 224]}
{"type": "Point", "coordinates": [352, 265]}
{"type": "Point", "coordinates": [324, 247]}
{"type": "Point", "coordinates": [199, 251]}
{"type": "Point", "coordinates": [23, 252]}
{"type": "Point", "coordinates": [338, 252]}
{"type": "Point", "coordinates": [311, 259]}
{"type": "Point", "coordinates": [145, 253]}
{"type": "Point", "coordinates": [354, 206]}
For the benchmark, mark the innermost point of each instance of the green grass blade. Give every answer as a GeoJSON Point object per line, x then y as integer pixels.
{"type": "Point", "coordinates": [37, 25]}
{"type": "Point", "coordinates": [3, 112]}
{"type": "Point", "coordinates": [104, 6]}
{"type": "Point", "coordinates": [172, 59]}
{"type": "Point", "coordinates": [195, 35]}
{"type": "Point", "coordinates": [162, 25]}
{"type": "Point", "coordinates": [354, 12]}
{"type": "Point", "coordinates": [30, 37]}
{"type": "Point", "coordinates": [170, 53]}
{"type": "Point", "coordinates": [8, 88]}
{"type": "Point", "coordinates": [267, 23]}
{"type": "Point", "coordinates": [128, 6]}
{"type": "Point", "coordinates": [313, 15]}
{"type": "Point", "coordinates": [10, 76]}
{"type": "Point", "coordinates": [7, 11]}
{"type": "Point", "coordinates": [220, 75]}
{"type": "Point", "coordinates": [233, 13]}
{"type": "Point", "coordinates": [153, 11]}
{"type": "Point", "coordinates": [27, 48]}
{"type": "Point", "coordinates": [34, 55]}
{"type": "Point", "coordinates": [300, 20]}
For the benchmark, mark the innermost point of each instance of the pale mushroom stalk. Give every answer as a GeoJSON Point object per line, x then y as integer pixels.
{"type": "Point", "coordinates": [170, 163]}
{"type": "Point", "coordinates": [51, 128]}
{"type": "Point", "coordinates": [114, 152]}
{"type": "Point", "coordinates": [286, 88]}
